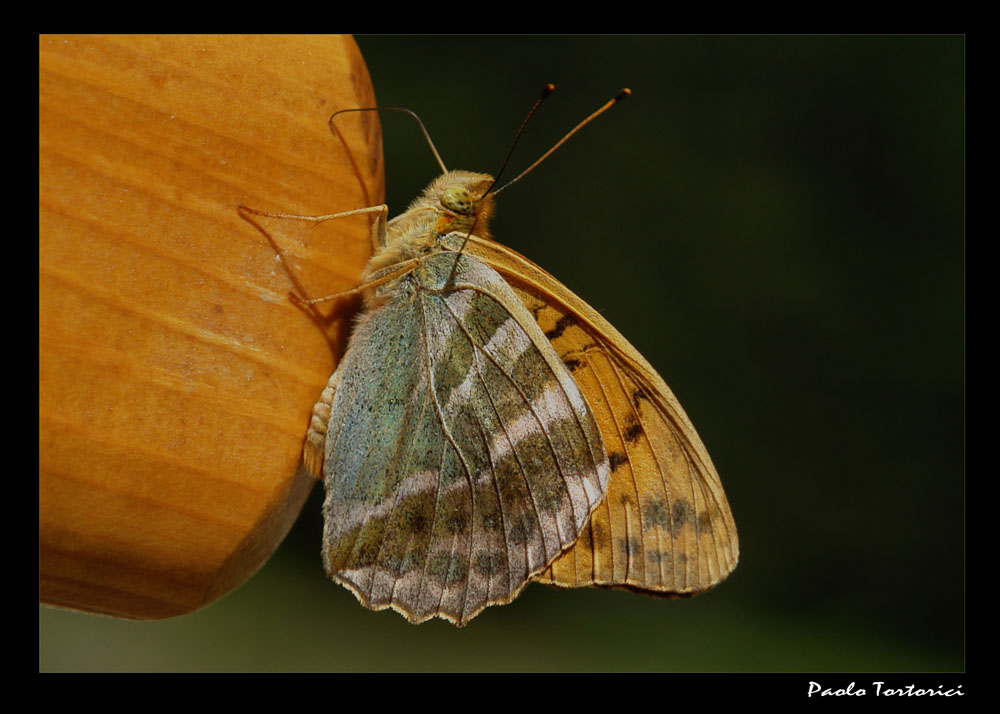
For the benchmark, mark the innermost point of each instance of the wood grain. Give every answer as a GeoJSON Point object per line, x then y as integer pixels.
{"type": "Point", "coordinates": [175, 377]}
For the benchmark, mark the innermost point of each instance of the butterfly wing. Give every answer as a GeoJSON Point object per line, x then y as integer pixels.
{"type": "Point", "coordinates": [666, 526]}
{"type": "Point", "coordinates": [461, 458]}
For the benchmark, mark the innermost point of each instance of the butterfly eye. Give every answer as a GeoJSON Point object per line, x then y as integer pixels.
{"type": "Point", "coordinates": [457, 199]}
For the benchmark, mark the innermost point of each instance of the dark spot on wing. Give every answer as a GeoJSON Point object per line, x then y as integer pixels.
{"type": "Point", "coordinates": [399, 566]}
{"type": "Point", "coordinates": [456, 523]}
{"type": "Point", "coordinates": [656, 514]}
{"type": "Point", "coordinates": [633, 430]}
{"type": "Point", "coordinates": [597, 531]}
{"type": "Point", "coordinates": [521, 529]}
{"type": "Point", "coordinates": [561, 324]}
{"type": "Point", "coordinates": [367, 546]}
{"type": "Point", "coordinates": [446, 568]}
{"type": "Point", "coordinates": [658, 558]}
{"type": "Point", "coordinates": [492, 521]}
{"type": "Point", "coordinates": [632, 546]}
{"type": "Point", "coordinates": [489, 562]}
{"type": "Point", "coordinates": [705, 522]}
{"type": "Point", "coordinates": [616, 459]}
{"type": "Point", "coordinates": [681, 514]}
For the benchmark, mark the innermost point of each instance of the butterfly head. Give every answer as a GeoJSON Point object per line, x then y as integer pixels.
{"type": "Point", "coordinates": [461, 201]}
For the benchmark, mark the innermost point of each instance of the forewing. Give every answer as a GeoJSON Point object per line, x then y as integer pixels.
{"type": "Point", "coordinates": [666, 526]}
{"type": "Point", "coordinates": [460, 458]}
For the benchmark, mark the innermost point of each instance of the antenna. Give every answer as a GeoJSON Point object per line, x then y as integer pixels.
{"type": "Point", "coordinates": [546, 91]}
{"type": "Point", "coordinates": [437, 156]}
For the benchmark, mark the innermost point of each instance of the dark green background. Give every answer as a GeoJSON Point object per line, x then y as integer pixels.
{"type": "Point", "coordinates": [777, 223]}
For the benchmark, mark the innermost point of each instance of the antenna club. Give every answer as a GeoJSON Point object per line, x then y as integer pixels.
{"type": "Point", "coordinates": [547, 90]}
{"type": "Point", "coordinates": [623, 94]}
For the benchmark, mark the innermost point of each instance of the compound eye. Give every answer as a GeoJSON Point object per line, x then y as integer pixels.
{"type": "Point", "coordinates": [457, 199]}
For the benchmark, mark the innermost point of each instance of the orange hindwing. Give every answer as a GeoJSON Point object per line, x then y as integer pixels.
{"type": "Point", "coordinates": [665, 526]}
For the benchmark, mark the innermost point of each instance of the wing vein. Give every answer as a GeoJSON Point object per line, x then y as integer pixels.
{"type": "Point", "coordinates": [496, 487]}
{"type": "Point", "coordinates": [534, 413]}
{"type": "Point", "coordinates": [449, 438]}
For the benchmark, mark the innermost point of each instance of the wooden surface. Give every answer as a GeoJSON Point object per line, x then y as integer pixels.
{"type": "Point", "coordinates": [175, 377]}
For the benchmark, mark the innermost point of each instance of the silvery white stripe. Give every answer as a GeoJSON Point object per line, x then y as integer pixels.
{"type": "Point", "coordinates": [510, 341]}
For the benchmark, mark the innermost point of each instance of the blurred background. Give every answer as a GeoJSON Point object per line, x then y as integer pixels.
{"type": "Point", "coordinates": [777, 224]}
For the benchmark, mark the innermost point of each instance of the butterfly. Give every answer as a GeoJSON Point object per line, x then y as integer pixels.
{"type": "Point", "coordinates": [487, 428]}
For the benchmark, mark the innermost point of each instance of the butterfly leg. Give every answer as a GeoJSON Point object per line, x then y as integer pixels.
{"type": "Point", "coordinates": [378, 234]}
{"type": "Point", "coordinates": [312, 452]}
{"type": "Point", "coordinates": [382, 209]}
{"type": "Point", "coordinates": [378, 237]}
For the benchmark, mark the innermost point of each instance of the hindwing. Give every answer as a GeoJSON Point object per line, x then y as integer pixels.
{"type": "Point", "coordinates": [460, 458]}
{"type": "Point", "coordinates": [665, 526]}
